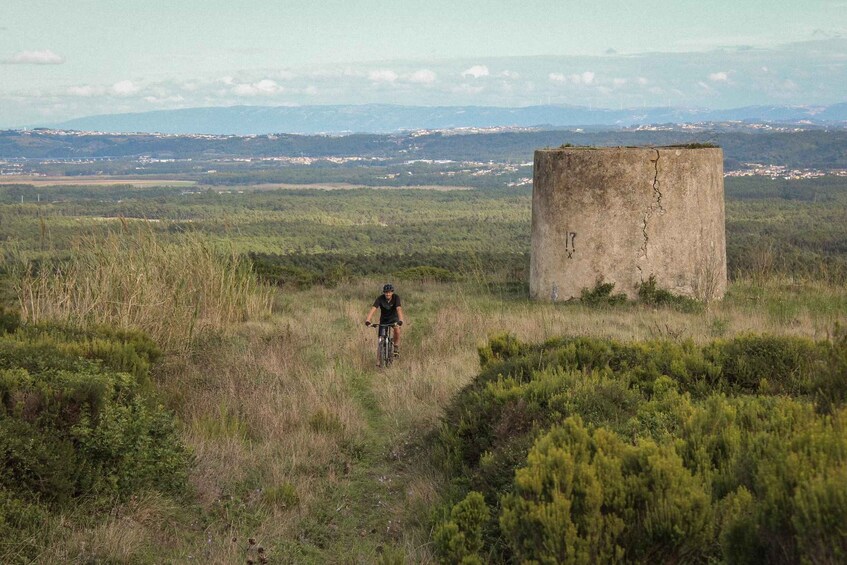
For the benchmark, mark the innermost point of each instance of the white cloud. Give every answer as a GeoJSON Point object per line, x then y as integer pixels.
{"type": "Point", "coordinates": [423, 76]}
{"type": "Point", "coordinates": [245, 90]}
{"type": "Point", "coordinates": [382, 75]}
{"type": "Point", "coordinates": [267, 86]}
{"type": "Point", "coordinates": [264, 87]}
{"type": "Point", "coordinates": [585, 78]}
{"type": "Point", "coordinates": [45, 57]}
{"type": "Point", "coordinates": [124, 88]}
{"type": "Point", "coordinates": [642, 81]}
{"type": "Point", "coordinates": [721, 76]}
{"type": "Point", "coordinates": [477, 71]}
{"type": "Point", "coordinates": [618, 82]}
{"type": "Point", "coordinates": [164, 99]}
{"type": "Point", "coordinates": [85, 90]}
{"type": "Point", "coordinates": [510, 74]}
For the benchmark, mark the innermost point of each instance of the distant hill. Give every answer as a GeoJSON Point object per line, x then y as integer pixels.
{"type": "Point", "coordinates": [381, 118]}
{"type": "Point", "coordinates": [809, 147]}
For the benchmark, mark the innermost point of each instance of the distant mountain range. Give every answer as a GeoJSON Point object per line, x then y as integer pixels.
{"type": "Point", "coordinates": [381, 118]}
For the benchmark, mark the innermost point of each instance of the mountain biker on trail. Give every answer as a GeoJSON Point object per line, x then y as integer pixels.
{"type": "Point", "coordinates": [390, 313]}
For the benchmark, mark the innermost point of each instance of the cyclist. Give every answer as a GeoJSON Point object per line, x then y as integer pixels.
{"type": "Point", "coordinates": [390, 312]}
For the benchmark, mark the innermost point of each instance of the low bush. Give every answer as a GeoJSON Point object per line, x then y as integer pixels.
{"type": "Point", "coordinates": [650, 294]}
{"type": "Point", "coordinates": [601, 294]}
{"type": "Point", "coordinates": [592, 450]}
{"type": "Point", "coordinates": [460, 538]}
{"type": "Point", "coordinates": [79, 424]}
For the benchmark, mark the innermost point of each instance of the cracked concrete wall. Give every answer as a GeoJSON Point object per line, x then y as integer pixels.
{"type": "Point", "coordinates": [621, 214]}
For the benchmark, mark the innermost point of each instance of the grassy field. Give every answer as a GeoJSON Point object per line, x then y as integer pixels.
{"type": "Point", "coordinates": [301, 446]}
{"type": "Point", "coordinates": [304, 446]}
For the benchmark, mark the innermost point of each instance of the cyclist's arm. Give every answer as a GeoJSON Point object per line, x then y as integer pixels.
{"type": "Point", "coordinates": [370, 314]}
{"type": "Point", "coordinates": [400, 314]}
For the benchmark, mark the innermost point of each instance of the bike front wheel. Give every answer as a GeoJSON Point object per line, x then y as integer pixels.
{"type": "Point", "coordinates": [389, 352]}
{"type": "Point", "coordinates": [384, 351]}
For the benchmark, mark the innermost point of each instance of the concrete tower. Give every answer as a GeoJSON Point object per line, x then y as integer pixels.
{"type": "Point", "coordinates": [622, 214]}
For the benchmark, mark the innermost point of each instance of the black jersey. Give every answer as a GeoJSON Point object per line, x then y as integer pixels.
{"type": "Point", "coordinates": [388, 308]}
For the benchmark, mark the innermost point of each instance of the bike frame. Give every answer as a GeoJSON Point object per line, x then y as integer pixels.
{"type": "Point", "coordinates": [385, 344]}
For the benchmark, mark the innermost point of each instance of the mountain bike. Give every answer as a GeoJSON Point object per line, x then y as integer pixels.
{"type": "Point", "coordinates": [385, 344]}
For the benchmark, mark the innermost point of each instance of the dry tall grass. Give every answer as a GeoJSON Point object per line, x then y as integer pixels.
{"type": "Point", "coordinates": [132, 279]}
{"type": "Point", "coordinates": [296, 400]}
{"type": "Point", "coordinates": [302, 444]}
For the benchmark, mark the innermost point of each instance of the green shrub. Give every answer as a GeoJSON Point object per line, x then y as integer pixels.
{"type": "Point", "coordinates": [459, 540]}
{"type": "Point", "coordinates": [592, 498]}
{"type": "Point", "coordinates": [649, 293]}
{"type": "Point", "coordinates": [734, 451]}
{"type": "Point", "coordinates": [9, 320]}
{"type": "Point", "coordinates": [500, 348]}
{"type": "Point", "coordinates": [20, 525]}
{"type": "Point", "coordinates": [789, 364]}
{"type": "Point", "coordinates": [79, 424]}
{"type": "Point", "coordinates": [601, 295]}
{"type": "Point", "coordinates": [829, 380]}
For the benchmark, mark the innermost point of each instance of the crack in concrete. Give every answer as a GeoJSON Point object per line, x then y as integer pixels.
{"type": "Point", "coordinates": [654, 206]}
{"type": "Point", "coordinates": [656, 191]}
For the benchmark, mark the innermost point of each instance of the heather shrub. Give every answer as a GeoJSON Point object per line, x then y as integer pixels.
{"type": "Point", "coordinates": [650, 294]}
{"type": "Point", "coordinates": [9, 320]}
{"type": "Point", "coordinates": [601, 295]}
{"type": "Point", "coordinates": [589, 497]}
{"type": "Point", "coordinates": [79, 425]}
{"type": "Point", "coordinates": [459, 540]}
{"type": "Point", "coordinates": [593, 450]}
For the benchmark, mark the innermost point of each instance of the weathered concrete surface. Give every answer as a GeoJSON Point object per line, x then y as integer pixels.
{"type": "Point", "coordinates": [622, 214]}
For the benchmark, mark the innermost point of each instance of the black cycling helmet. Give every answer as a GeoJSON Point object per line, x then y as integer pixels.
{"type": "Point", "coordinates": [388, 287]}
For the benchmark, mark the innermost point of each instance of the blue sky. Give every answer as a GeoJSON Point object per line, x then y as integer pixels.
{"type": "Point", "coordinates": [63, 59]}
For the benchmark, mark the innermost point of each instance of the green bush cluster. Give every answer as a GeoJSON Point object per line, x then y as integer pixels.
{"type": "Point", "coordinates": [79, 424]}
{"type": "Point", "coordinates": [459, 539]}
{"type": "Point", "coordinates": [649, 293]}
{"type": "Point", "coordinates": [601, 294]}
{"type": "Point", "coordinates": [591, 450]}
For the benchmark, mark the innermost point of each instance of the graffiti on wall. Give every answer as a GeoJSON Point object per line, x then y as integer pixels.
{"type": "Point", "coordinates": [570, 248]}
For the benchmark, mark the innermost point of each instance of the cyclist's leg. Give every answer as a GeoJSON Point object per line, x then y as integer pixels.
{"type": "Point", "coordinates": [397, 333]}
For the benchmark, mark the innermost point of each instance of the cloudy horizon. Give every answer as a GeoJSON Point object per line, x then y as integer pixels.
{"type": "Point", "coordinates": [146, 61]}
